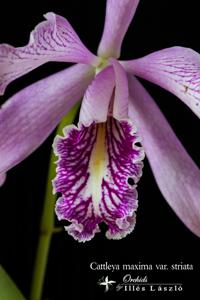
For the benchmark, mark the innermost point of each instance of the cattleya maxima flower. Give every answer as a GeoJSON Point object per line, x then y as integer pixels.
{"type": "Point", "coordinates": [99, 161]}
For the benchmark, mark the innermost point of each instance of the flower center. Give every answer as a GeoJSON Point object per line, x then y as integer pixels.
{"type": "Point", "coordinates": [103, 64]}
{"type": "Point", "coordinates": [98, 165]}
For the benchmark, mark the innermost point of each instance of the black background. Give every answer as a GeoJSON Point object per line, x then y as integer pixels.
{"type": "Point", "coordinates": [159, 236]}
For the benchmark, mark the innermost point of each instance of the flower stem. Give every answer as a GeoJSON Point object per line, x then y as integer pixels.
{"type": "Point", "coordinates": [47, 220]}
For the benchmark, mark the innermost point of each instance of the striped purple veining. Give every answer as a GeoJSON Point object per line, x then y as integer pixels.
{"type": "Point", "coordinates": [52, 40]}
{"type": "Point", "coordinates": [114, 198]}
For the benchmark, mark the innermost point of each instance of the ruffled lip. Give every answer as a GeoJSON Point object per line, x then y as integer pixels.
{"type": "Point", "coordinates": [93, 171]}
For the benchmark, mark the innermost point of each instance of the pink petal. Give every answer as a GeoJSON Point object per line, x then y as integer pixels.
{"type": "Point", "coordinates": [120, 105]}
{"type": "Point", "coordinates": [175, 172]}
{"type": "Point", "coordinates": [99, 95]}
{"type": "Point", "coordinates": [97, 98]}
{"type": "Point", "coordinates": [51, 40]}
{"type": "Point", "coordinates": [28, 117]}
{"type": "Point", "coordinates": [176, 69]}
{"type": "Point", "coordinates": [2, 179]}
{"type": "Point", "coordinates": [119, 14]}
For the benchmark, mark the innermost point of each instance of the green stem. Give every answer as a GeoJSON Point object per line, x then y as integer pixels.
{"type": "Point", "coordinates": [47, 220]}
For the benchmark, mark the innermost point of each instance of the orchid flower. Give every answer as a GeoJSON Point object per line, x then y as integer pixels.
{"type": "Point", "coordinates": [100, 161]}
